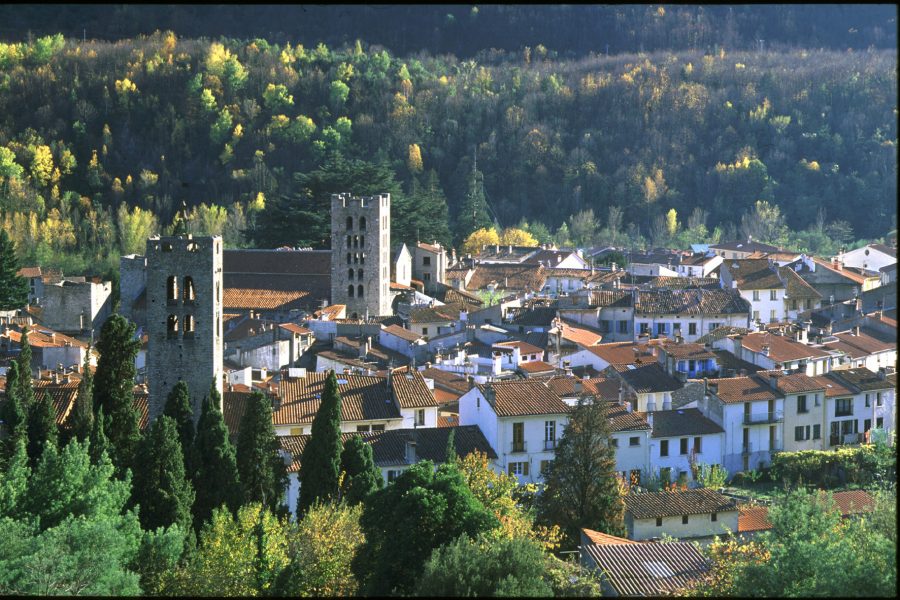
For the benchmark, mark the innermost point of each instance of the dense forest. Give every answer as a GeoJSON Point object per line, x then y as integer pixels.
{"type": "Point", "coordinates": [690, 140]}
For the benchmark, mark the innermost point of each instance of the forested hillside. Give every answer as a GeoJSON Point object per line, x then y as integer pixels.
{"type": "Point", "coordinates": [101, 143]}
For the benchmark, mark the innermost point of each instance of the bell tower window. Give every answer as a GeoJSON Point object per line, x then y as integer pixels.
{"type": "Point", "coordinates": [171, 289]}
{"type": "Point", "coordinates": [172, 326]}
{"type": "Point", "coordinates": [349, 223]}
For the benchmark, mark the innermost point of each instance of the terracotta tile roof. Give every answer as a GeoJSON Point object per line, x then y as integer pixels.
{"type": "Point", "coordinates": [330, 313]}
{"type": "Point", "coordinates": [687, 351]}
{"type": "Point", "coordinates": [650, 505]}
{"type": "Point", "coordinates": [435, 248]}
{"type": "Point", "coordinates": [411, 390]}
{"type": "Point", "coordinates": [796, 287]}
{"type": "Point", "coordinates": [461, 297]}
{"type": "Point", "coordinates": [753, 273]}
{"type": "Point", "coordinates": [621, 420]}
{"type": "Point", "coordinates": [294, 328]}
{"type": "Point", "coordinates": [864, 379]}
{"type": "Point", "coordinates": [681, 422]}
{"type": "Point", "coordinates": [705, 283]}
{"type": "Point", "coordinates": [743, 389]}
{"type": "Point", "coordinates": [753, 518]}
{"type": "Point", "coordinates": [853, 501]}
{"type": "Point", "coordinates": [859, 346]}
{"type": "Point", "coordinates": [793, 383]}
{"type": "Point", "coordinates": [234, 403]}
{"type": "Point", "coordinates": [399, 286]}
{"type": "Point", "coordinates": [727, 360]}
{"type": "Point", "coordinates": [434, 314]}
{"type": "Point", "coordinates": [622, 353]}
{"type": "Point", "coordinates": [690, 302]}
{"type": "Point", "coordinates": [522, 397]}
{"type": "Point", "coordinates": [648, 569]}
{"type": "Point", "coordinates": [389, 448]}
{"type": "Point", "coordinates": [833, 385]}
{"type": "Point", "coordinates": [229, 316]}
{"type": "Point", "coordinates": [524, 347]}
{"type": "Point", "coordinates": [42, 337]}
{"type": "Point", "coordinates": [601, 388]}
{"type": "Point", "coordinates": [604, 539]}
{"type": "Point", "coordinates": [781, 348]}
{"type": "Point", "coordinates": [262, 299]}
{"type": "Point", "coordinates": [29, 272]}
{"type": "Point", "coordinates": [647, 378]}
{"type": "Point", "coordinates": [610, 298]}
{"type": "Point", "coordinates": [448, 421]}
{"type": "Point", "coordinates": [579, 335]}
{"type": "Point", "coordinates": [537, 366]}
{"type": "Point", "coordinates": [450, 381]}
{"type": "Point", "coordinates": [845, 272]}
{"type": "Point", "coordinates": [402, 333]}
{"type": "Point", "coordinates": [537, 316]}
{"type": "Point", "coordinates": [62, 395]}
{"type": "Point", "coordinates": [508, 277]}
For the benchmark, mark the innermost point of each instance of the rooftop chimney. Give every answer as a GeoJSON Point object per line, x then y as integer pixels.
{"type": "Point", "coordinates": [765, 350]}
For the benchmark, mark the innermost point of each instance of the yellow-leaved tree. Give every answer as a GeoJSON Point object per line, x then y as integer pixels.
{"type": "Point", "coordinates": [517, 237]}
{"type": "Point", "coordinates": [479, 238]}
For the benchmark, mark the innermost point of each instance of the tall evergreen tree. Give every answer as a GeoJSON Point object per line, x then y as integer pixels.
{"type": "Point", "coordinates": [82, 418]}
{"type": "Point", "coordinates": [473, 214]}
{"type": "Point", "coordinates": [161, 487]}
{"type": "Point", "coordinates": [178, 406]}
{"type": "Point", "coordinates": [320, 468]}
{"type": "Point", "coordinates": [26, 386]}
{"type": "Point", "coordinates": [42, 430]}
{"type": "Point", "coordinates": [581, 488]}
{"type": "Point", "coordinates": [15, 416]}
{"type": "Point", "coordinates": [450, 450]}
{"type": "Point", "coordinates": [13, 287]}
{"type": "Point", "coordinates": [261, 469]}
{"type": "Point", "coordinates": [361, 476]}
{"type": "Point", "coordinates": [114, 389]}
{"type": "Point", "coordinates": [423, 214]}
{"type": "Point", "coordinates": [99, 442]}
{"type": "Point", "coordinates": [215, 475]}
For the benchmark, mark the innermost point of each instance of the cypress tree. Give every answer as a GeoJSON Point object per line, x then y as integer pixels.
{"type": "Point", "coordinates": [99, 441]}
{"type": "Point", "coordinates": [320, 468]}
{"type": "Point", "coordinates": [13, 288]}
{"type": "Point", "coordinates": [178, 406]}
{"type": "Point", "coordinates": [215, 475]}
{"type": "Point", "coordinates": [450, 455]}
{"type": "Point", "coordinates": [26, 387]}
{"type": "Point", "coordinates": [114, 389]}
{"type": "Point", "coordinates": [160, 486]}
{"type": "Point", "coordinates": [42, 431]}
{"type": "Point", "coordinates": [361, 476]}
{"type": "Point", "coordinates": [15, 415]}
{"type": "Point", "coordinates": [82, 419]}
{"type": "Point", "coordinates": [261, 469]}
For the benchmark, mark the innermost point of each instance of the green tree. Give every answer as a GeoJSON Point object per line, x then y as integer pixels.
{"type": "Point", "coordinates": [405, 521]}
{"type": "Point", "coordinates": [15, 416]}
{"type": "Point", "coordinates": [261, 469]}
{"type": "Point", "coordinates": [473, 213]}
{"type": "Point", "coordinates": [178, 406]}
{"type": "Point", "coordinates": [320, 468]}
{"type": "Point", "coordinates": [99, 443]}
{"type": "Point", "coordinates": [361, 476]}
{"type": "Point", "coordinates": [114, 389]}
{"type": "Point", "coordinates": [13, 287]}
{"type": "Point", "coordinates": [425, 214]}
{"type": "Point", "coordinates": [82, 418]}
{"type": "Point", "coordinates": [583, 228]}
{"type": "Point", "coordinates": [161, 488]}
{"type": "Point", "coordinates": [321, 551]}
{"type": "Point", "coordinates": [26, 386]}
{"type": "Point", "coordinates": [228, 558]}
{"type": "Point", "coordinates": [580, 484]}
{"type": "Point", "coordinates": [42, 430]}
{"type": "Point", "coordinates": [484, 567]}
{"type": "Point", "coordinates": [215, 475]}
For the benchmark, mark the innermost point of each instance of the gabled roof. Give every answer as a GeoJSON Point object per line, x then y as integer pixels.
{"type": "Point", "coordinates": [706, 283]}
{"type": "Point", "coordinates": [864, 379]}
{"type": "Point", "coordinates": [651, 505]}
{"type": "Point", "coordinates": [535, 316]}
{"type": "Point", "coordinates": [579, 335]}
{"type": "Point", "coordinates": [796, 287]}
{"type": "Point", "coordinates": [791, 384]}
{"type": "Point", "coordinates": [402, 333]}
{"type": "Point", "coordinates": [294, 328]}
{"type": "Point", "coordinates": [604, 539]}
{"type": "Point", "coordinates": [610, 298]}
{"type": "Point", "coordinates": [524, 347]}
{"type": "Point", "coordinates": [682, 421]}
{"type": "Point", "coordinates": [690, 302]}
{"type": "Point", "coordinates": [42, 337]}
{"type": "Point", "coordinates": [622, 353]}
{"type": "Point", "coordinates": [434, 314]}
{"type": "Point", "coordinates": [859, 345]}
{"type": "Point", "coordinates": [435, 248]}
{"type": "Point", "coordinates": [781, 348]}
{"type": "Point", "coordinates": [508, 277]}
{"type": "Point", "coordinates": [647, 378]}
{"type": "Point", "coordinates": [454, 382]}
{"type": "Point", "coordinates": [833, 385]}
{"type": "Point", "coordinates": [753, 273]}
{"type": "Point", "coordinates": [720, 332]}
{"type": "Point", "coordinates": [272, 262]}
{"type": "Point", "coordinates": [536, 367]}
{"type": "Point", "coordinates": [29, 272]}
{"type": "Point", "coordinates": [262, 299]}
{"type": "Point", "coordinates": [732, 390]}
{"type": "Point", "coordinates": [620, 420]}
{"type": "Point", "coordinates": [687, 351]}
{"type": "Point", "coordinates": [389, 448]}
{"type": "Point", "coordinates": [648, 569]}
{"type": "Point", "coordinates": [519, 398]}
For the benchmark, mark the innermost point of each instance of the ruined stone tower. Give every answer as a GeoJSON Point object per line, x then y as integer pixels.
{"type": "Point", "coordinates": [184, 317]}
{"type": "Point", "coordinates": [360, 254]}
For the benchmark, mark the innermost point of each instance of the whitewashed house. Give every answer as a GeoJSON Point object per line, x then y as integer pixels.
{"type": "Point", "coordinates": [700, 513]}
{"type": "Point", "coordinates": [683, 438]}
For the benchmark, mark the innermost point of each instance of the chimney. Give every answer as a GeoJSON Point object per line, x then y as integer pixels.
{"type": "Point", "coordinates": [628, 407]}
{"type": "Point", "coordinates": [649, 418]}
{"type": "Point", "coordinates": [510, 248]}
{"type": "Point", "coordinates": [765, 350]}
{"type": "Point", "coordinates": [497, 249]}
{"type": "Point", "coordinates": [856, 330]}
{"type": "Point", "coordinates": [579, 388]}
{"type": "Point", "coordinates": [364, 347]}
{"type": "Point", "coordinates": [667, 403]}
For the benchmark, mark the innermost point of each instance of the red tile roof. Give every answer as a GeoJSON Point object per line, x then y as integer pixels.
{"type": "Point", "coordinates": [756, 518]}
{"type": "Point", "coordinates": [294, 328]}
{"type": "Point", "coordinates": [261, 299]}
{"type": "Point", "coordinates": [604, 539]}
{"type": "Point", "coordinates": [522, 398]}
{"type": "Point", "coordinates": [781, 349]}
{"type": "Point", "coordinates": [536, 366]}
{"type": "Point", "coordinates": [743, 389]}
{"type": "Point", "coordinates": [523, 347]}
{"type": "Point", "coordinates": [650, 505]}
{"type": "Point", "coordinates": [402, 333]}
{"type": "Point", "coordinates": [580, 335]}
{"type": "Point", "coordinates": [622, 353]}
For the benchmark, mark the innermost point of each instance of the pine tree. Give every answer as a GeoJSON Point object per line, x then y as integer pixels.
{"type": "Point", "coordinates": [42, 430]}
{"type": "Point", "coordinates": [99, 442]}
{"type": "Point", "coordinates": [473, 214]}
{"type": "Point", "coordinates": [261, 469]}
{"type": "Point", "coordinates": [178, 406]}
{"type": "Point", "coordinates": [114, 389]}
{"type": "Point", "coordinates": [581, 488]}
{"type": "Point", "coordinates": [15, 416]}
{"type": "Point", "coordinates": [215, 476]}
{"type": "Point", "coordinates": [361, 476]}
{"type": "Point", "coordinates": [320, 467]}
{"type": "Point", "coordinates": [26, 387]}
{"type": "Point", "coordinates": [160, 487]}
{"type": "Point", "coordinates": [13, 287]}
{"type": "Point", "coordinates": [82, 419]}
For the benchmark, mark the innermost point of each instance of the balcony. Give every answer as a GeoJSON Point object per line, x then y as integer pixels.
{"type": "Point", "coordinates": [845, 439]}
{"type": "Point", "coordinates": [518, 447]}
{"type": "Point", "coordinates": [763, 418]}
{"type": "Point", "coordinates": [747, 449]}
{"type": "Point", "coordinates": [550, 444]}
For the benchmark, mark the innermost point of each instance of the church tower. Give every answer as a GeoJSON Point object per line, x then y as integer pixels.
{"type": "Point", "coordinates": [184, 317]}
{"type": "Point", "coordinates": [360, 254]}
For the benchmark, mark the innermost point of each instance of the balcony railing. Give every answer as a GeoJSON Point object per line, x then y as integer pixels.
{"type": "Point", "coordinates": [844, 439]}
{"type": "Point", "coordinates": [763, 418]}
{"type": "Point", "coordinates": [550, 444]}
{"type": "Point", "coordinates": [517, 447]}
{"type": "Point", "coordinates": [747, 449]}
